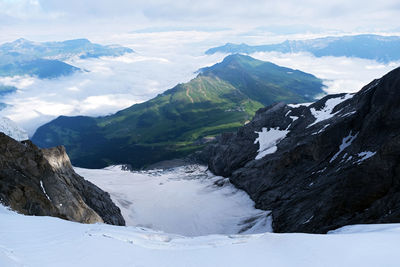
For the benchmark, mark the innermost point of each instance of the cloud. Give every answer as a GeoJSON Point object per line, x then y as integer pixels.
{"type": "Point", "coordinates": [110, 85]}
{"type": "Point", "coordinates": [124, 14]}
{"type": "Point", "coordinates": [340, 74]}
{"type": "Point", "coordinates": [162, 60]}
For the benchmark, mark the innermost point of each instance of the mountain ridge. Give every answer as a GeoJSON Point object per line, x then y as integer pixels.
{"type": "Point", "coordinates": [46, 60]}
{"type": "Point", "coordinates": [321, 166]}
{"type": "Point", "coordinates": [42, 182]}
{"type": "Point", "coordinates": [368, 46]}
{"type": "Point", "coordinates": [175, 123]}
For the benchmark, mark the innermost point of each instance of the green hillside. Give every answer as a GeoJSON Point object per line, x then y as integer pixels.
{"type": "Point", "coordinates": [221, 98]}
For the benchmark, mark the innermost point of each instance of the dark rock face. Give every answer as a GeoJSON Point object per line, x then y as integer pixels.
{"type": "Point", "coordinates": [43, 182]}
{"type": "Point", "coordinates": [338, 164]}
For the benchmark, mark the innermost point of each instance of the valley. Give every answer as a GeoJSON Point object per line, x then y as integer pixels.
{"type": "Point", "coordinates": [173, 124]}
{"type": "Point", "coordinates": [130, 135]}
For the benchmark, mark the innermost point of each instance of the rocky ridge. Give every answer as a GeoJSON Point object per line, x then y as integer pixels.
{"type": "Point", "coordinates": [320, 166]}
{"type": "Point", "coordinates": [42, 182]}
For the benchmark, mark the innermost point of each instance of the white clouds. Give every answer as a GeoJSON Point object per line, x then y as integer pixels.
{"type": "Point", "coordinates": [101, 15]}
{"type": "Point", "coordinates": [163, 59]}
{"type": "Point", "coordinates": [111, 84]}
{"type": "Point", "coordinates": [20, 9]}
{"type": "Point", "coordinates": [340, 74]}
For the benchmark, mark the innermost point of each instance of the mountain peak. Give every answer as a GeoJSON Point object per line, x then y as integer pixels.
{"type": "Point", "coordinates": [80, 41]}
{"type": "Point", "coordinates": [237, 57]}
{"type": "Point", "coordinates": [220, 99]}
{"type": "Point", "coordinates": [237, 60]}
{"type": "Point", "coordinates": [21, 42]}
{"type": "Point", "coordinates": [342, 147]}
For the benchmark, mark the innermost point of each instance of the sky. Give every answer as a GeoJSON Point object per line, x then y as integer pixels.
{"type": "Point", "coordinates": [43, 17]}
{"type": "Point", "coordinates": [169, 39]}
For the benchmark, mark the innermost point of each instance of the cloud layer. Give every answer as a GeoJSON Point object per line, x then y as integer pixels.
{"type": "Point", "coordinates": [110, 84]}
{"type": "Point", "coordinates": [340, 74]}
{"type": "Point", "coordinates": [162, 61]}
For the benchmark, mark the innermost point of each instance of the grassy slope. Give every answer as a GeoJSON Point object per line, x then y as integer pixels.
{"type": "Point", "coordinates": [171, 124]}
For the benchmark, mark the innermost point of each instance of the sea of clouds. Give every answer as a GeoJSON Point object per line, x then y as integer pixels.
{"type": "Point", "coordinates": [161, 60]}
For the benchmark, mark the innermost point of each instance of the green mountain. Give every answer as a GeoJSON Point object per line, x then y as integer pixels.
{"type": "Point", "coordinates": [173, 124]}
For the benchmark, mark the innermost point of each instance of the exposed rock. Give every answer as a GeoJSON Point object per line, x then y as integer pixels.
{"type": "Point", "coordinates": [43, 182]}
{"type": "Point", "coordinates": [338, 163]}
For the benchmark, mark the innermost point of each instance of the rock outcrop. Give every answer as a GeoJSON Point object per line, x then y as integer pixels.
{"type": "Point", "coordinates": [319, 167]}
{"type": "Point", "coordinates": [43, 182]}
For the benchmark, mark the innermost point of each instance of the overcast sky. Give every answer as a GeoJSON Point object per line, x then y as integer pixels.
{"type": "Point", "coordinates": [42, 17]}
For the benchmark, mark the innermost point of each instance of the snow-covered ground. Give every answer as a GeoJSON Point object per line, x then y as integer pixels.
{"type": "Point", "coordinates": [186, 200]}
{"type": "Point", "coordinates": [44, 241]}
{"type": "Point", "coordinates": [326, 112]}
{"type": "Point", "coordinates": [268, 139]}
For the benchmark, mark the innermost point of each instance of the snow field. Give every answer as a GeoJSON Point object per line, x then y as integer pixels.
{"type": "Point", "coordinates": [187, 200]}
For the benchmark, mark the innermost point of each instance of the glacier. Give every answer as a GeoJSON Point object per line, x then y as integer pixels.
{"type": "Point", "coordinates": [46, 241]}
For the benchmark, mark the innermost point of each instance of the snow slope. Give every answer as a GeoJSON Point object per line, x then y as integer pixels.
{"type": "Point", "coordinates": [268, 139]}
{"type": "Point", "coordinates": [11, 129]}
{"type": "Point", "coordinates": [326, 112]}
{"type": "Point", "coordinates": [44, 241]}
{"type": "Point", "coordinates": [187, 200]}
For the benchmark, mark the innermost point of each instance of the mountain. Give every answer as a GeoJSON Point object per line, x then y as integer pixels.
{"type": "Point", "coordinates": [376, 47]}
{"type": "Point", "coordinates": [43, 182]}
{"type": "Point", "coordinates": [11, 129]}
{"type": "Point", "coordinates": [82, 48]}
{"type": "Point", "coordinates": [45, 60]}
{"type": "Point", "coordinates": [42, 68]}
{"type": "Point", "coordinates": [181, 120]}
{"type": "Point", "coordinates": [4, 90]}
{"type": "Point", "coordinates": [321, 166]}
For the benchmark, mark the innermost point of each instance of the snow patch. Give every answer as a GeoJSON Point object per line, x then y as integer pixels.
{"type": "Point", "coordinates": [308, 220]}
{"type": "Point", "coordinates": [348, 114]}
{"type": "Point", "coordinates": [322, 129]}
{"type": "Point", "coordinates": [372, 86]}
{"type": "Point", "coordinates": [44, 190]}
{"type": "Point", "coordinates": [346, 142]}
{"type": "Point", "coordinates": [365, 155]}
{"type": "Point", "coordinates": [268, 139]}
{"type": "Point", "coordinates": [300, 105]}
{"type": "Point", "coordinates": [326, 112]}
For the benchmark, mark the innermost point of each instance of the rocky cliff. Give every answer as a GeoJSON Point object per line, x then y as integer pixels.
{"type": "Point", "coordinates": [43, 182]}
{"type": "Point", "coordinates": [318, 167]}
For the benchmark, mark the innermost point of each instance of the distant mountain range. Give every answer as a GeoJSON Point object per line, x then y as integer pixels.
{"type": "Point", "coordinates": [181, 120]}
{"type": "Point", "coordinates": [45, 60]}
{"type": "Point", "coordinates": [368, 46]}
{"type": "Point", "coordinates": [4, 90]}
